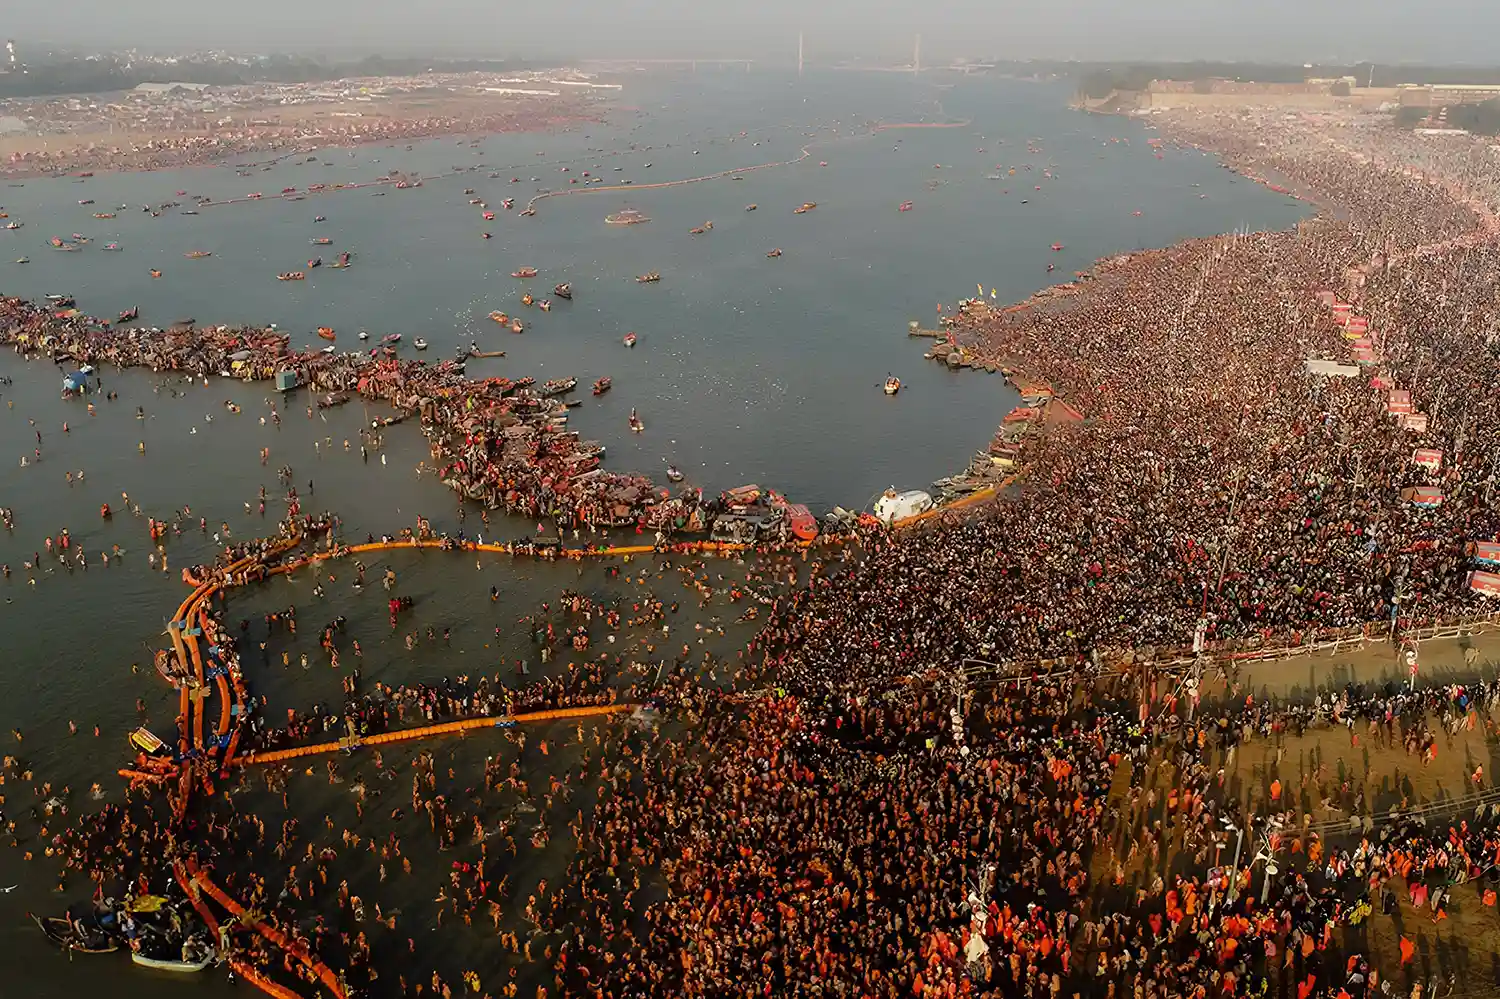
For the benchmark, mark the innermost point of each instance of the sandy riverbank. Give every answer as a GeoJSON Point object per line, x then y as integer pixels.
{"type": "Point", "coordinates": [201, 139]}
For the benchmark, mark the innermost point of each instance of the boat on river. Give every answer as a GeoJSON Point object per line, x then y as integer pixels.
{"type": "Point", "coordinates": [391, 338]}
{"type": "Point", "coordinates": [196, 956]}
{"type": "Point", "coordinates": [629, 340]}
{"type": "Point", "coordinates": [627, 217]}
{"type": "Point", "coordinates": [636, 423]}
{"type": "Point", "coordinates": [113, 247]}
{"type": "Point", "coordinates": [557, 386]}
{"type": "Point", "coordinates": [751, 208]}
{"type": "Point", "coordinates": [104, 215]}
{"type": "Point", "coordinates": [563, 290]}
{"type": "Point", "coordinates": [499, 317]}
{"type": "Point", "coordinates": [892, 385]}
{"type": "Point", "coordinates": [807, 206]}
{"type": "Point", "coordinates": [673, 475]}
{"type": "Point", "coordinates": [524, 272]}
{"type": "Point", "coordinates": [292, 276]}
{"type": "Point", "coordinates": [774, 253]}
{"type": "Point", "coordinates": [602, 385]}
{"type": "Point", "coordinates": [198, 254]}
{"type": "Point", "coordinates": [14, 225]}
{"type": "Point", "coordinates": [419, 343]}
{"type": "Point", "coordinates": [905, 206]}
{"type": "Point", "coordinates": [130, 315]}
{"type": "Point", "coordinates": [322, 241]}
{"type": "Point", "coordinates": [801, 522]}
{"type": "Point", "coordinates": [649, 277]}
{"type": "Point", "coordinates": [526, 299]}
{"type": "Point", "coordinates": [76, 936]}
{"type": "Point", "coordinates": [327, 333]}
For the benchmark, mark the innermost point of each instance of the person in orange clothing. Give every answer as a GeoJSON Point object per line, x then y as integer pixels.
{"type": "Point", "coordinates": [1408, 951]}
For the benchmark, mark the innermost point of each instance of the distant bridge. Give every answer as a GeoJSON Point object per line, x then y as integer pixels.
{"type": "Point", "coordinates": [693, 64]}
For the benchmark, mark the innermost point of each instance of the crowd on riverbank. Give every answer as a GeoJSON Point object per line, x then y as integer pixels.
{"type": "Point", "coordinates": [161, 146]}
{"type": "Point", "coordinates": [853, 819]}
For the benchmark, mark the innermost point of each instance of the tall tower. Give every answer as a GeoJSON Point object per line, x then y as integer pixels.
{"type": "Point", "coordinates": [10, 51]}
{"type": "Point", "coordinates": [916, 56]}
{"type": "Point", "coordinates": [799, 53]}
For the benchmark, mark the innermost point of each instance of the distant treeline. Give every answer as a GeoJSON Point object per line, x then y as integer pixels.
{"type": "Point", "coordinates": [1097, 80]}
{"type": "Point", "coordinates": [102, 75]}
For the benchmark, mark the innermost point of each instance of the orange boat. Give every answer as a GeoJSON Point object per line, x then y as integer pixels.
{"type": "Point", "coordinates": [807, 206]}
{"type": "Point", "coordinates": [801, 521]}
{"type": "Point", "coordinates": [524, 272]}
{"type": "Point", "coordinates": [327, 333]}
{"type": "Point", "coordinates": [499, 317]}
{"type": "Point", "coordinates": [155, 273]}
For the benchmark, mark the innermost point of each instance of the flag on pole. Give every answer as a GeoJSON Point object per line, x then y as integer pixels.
{"type": "Point", "coordinates": [981, 290]}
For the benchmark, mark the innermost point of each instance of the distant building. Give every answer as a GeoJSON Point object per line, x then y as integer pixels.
{"type": "Point", "coordinates": [170, 89]}
{"type": "Point", "coordinates": [1435, 95]}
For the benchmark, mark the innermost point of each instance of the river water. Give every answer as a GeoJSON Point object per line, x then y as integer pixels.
{"type": "Point", "coordinates": [748, 369]}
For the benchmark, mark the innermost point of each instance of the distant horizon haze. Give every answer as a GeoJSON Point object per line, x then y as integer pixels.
{"type": "Point", "coordinates": [1332, 31]}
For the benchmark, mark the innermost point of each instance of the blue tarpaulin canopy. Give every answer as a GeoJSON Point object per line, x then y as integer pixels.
{"type": "Point", "coordinates": [74, 381]}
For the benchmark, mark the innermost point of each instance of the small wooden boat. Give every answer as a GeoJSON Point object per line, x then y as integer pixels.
{"type": "Point", "coordinates": [524, 272]}
{"type": "Point", "coordinates": [130, 315]}
{"type": "Point", "coordinates": [419, 343]}
{"type": "Point", "coordinates": [322, 241]}
{"type": "Point", "coordinates": [63, 933]}
{"type": "Point", "coordinates": [474, 352]}
{"type": "Point", "coordinates": [774, 253]}
{"type": "Point", "coordinates": [649, 277]}
{"type": "Point", "coordinates": [292, 276]}
{"type": "Point", "coordinates": [516, 326]}
{"type": "Point", "coordinates": [563, 291]}
{"type": "Point", "coordinates": [751, 208]}
{"type": "Point", "coordinates": [104, 215]}
{"type": "Point", "coordinates": [198, 254]}
{"type": "Point", "coordinates": [807, 206]}
{"type": "Point", "coordinates": [499, 317]}
{"type": "Point", "coordinates": [629, 340]}
{"type": "Point", "coordinates": [526, 299]}
{"type": "Point", "coordinates": [602, 385]}
{"type": "Point", "coordinates": [545, 305]}
{"type": "Point", "coordinates": [155, 273]}
{"type": "Point", "coordinates": [636, 423]}
{"type": "Point", "coordinates": [673, 475]}
{"type": "Point", "coordinates": [892, 385]}
{"type": "Point", "coordinates": [327, 333]}
{"type": "Point", "coordinates": [391, 338]}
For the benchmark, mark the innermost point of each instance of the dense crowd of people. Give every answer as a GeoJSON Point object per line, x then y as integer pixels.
{"type": "Point", "coordinates": [854, 817]}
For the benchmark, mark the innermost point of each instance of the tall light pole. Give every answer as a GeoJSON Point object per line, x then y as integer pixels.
{"type": "Point", "coordinates": [916, 56]}
{"type": "Point", "coordinates": [799, 53]}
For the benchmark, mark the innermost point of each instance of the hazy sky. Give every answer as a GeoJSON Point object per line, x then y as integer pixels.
{"type": "Point", "coordinates": [1290, 30]}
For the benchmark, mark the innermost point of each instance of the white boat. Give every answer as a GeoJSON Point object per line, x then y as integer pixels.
{"type": "Point", "coordinates": [329, 349]}
{"type": "Point", "coordinates": [673, 475]}
{"type": "Point", "coordinates": [364, 334]}
{"type": "Point", "coordinates": [181, 966]}
{"type": "Point", "coordinates": [893, 506]}
{"type": "Point", "coordinates": [892, 385]}
{"type": "Point", "coordinates": [419, 343]}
